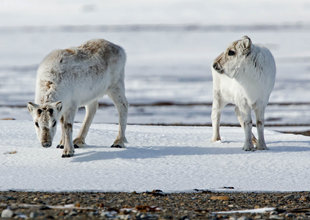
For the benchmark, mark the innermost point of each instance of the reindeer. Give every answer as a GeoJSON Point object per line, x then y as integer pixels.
{"type": "Point", "coordinates": [74, 77]}
{"type": "Point", "coordinates": [244, 75]}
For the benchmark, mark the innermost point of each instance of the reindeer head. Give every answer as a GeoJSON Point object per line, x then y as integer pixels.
{"type": "Point", "coordinates": [45, 118]}
{"type": "Point", "coordinates": [231, 59]}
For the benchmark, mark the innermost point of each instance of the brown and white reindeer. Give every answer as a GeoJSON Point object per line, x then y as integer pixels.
{"type": "Point", "coordinates": [74, 77]}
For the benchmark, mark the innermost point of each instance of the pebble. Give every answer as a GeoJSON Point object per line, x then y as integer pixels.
{"type": "Point", "coordinates": [146, 216]}
{"type": "Point", "coordinates": [33, 215]}
{"type": "Point", "coordinates": [111, 214]}
{"type": "Point", "coordinates": [290, 215]}
{"type": "Point", "coordinates": [273, 213]}
{"type": "Point", "coordinates": [222, 198]}
{"type": "Point", "coordinates": [288, 197]}
{"type": "Point", "coordinates": [7, 213]}
{"type": "Point", "coordinates": [73, 213]}
{"type": "Point", "coordinates": [275, 217]}
{"type": "Point", "coordinates": [124, 217]}
{"type": "Point", "coordinates": [243, 218]}
{"type": "Point", "coordinates": [21, 215]}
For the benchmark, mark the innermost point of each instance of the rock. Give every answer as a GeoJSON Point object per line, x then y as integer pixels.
{"type": "Point", "coordinates": [7, 213]}
{"type": "Point", "coordinates": [222, 198]}
{"type": "Point", "coordinates": [289, 197]}
{"type": "Point", "coordinates": [275, 217]}
{"type": "Point", "coordinates": [33, 215]}
{"type": "Point", "coordinates": [13, 207]}
{"type": "Point", "coordinates": [125, 211]}
{"type": "Point", "coordinates": [124, 217]}
{"type": "Point", "coordinates": [290, 215]}
{"type": "Point", "coordinates": [93, 214]}
{"type": "Point", "coordinates": [21, 216]}
{"type": "Point", "coordinates": [146, 216]}
{"type": "Point", "coordinates": [109, 214]}
{"type": "Point", "coordinates": [243, 218]}
{"type": "Point", "coordinates": [72, 213]}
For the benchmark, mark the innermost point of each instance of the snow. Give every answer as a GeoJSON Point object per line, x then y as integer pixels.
{"type": "Point", "coordinates": [172, 159]}
{"type": "Point", "coordinates": [260, 210]}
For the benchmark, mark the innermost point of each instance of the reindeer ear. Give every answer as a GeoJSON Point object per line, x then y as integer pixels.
{"type": "Point", "coordinates": [31, 107]}
{"type": "Point", "coordinates": [245, 45]}
{"type": "Point", "coordinates": [58, 106]}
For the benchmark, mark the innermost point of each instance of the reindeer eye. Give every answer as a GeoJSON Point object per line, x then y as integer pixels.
{"type": "Point", "coordinates": [39, 111]}
{"type": "Point", "coordinates": [37, 124]}
{"type": "Point", "coordinates": [50, 111]}
{"type": "Point", "coordinates": [231, 53]}
{"type": "Point", "coordinates": [54, 124]}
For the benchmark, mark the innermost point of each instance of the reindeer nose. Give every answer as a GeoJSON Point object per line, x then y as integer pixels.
{"type": "Point", "coordinates": [46, 144]}
{"type": "Point", "coordinates": [217, 67]}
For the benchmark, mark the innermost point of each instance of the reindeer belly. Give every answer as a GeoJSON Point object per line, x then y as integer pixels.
{"type": "Point", "coordinates": [88, 90]}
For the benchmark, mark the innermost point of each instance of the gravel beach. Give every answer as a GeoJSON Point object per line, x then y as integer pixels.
{"type": "Point", "coordinates": [200, 204]}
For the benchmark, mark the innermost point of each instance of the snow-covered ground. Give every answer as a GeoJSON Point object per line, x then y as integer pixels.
{"type": "Point", "coordinates": [167, 158]}
{"type": "Point", "coordinates": [170, 46]}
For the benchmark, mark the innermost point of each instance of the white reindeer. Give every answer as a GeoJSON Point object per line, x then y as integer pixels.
{"type": "Point", "coordinates": [244, 75]}
{"type": "Point", "coordinates": [74, 77]}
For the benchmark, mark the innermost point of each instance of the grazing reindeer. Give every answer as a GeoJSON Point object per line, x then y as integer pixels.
{"type": "Point", "coordinates": [244, 74]}
{"type": "Point", "coordinates": [74, 77]}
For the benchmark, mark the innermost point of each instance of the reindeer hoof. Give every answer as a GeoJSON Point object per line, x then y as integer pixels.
{"type": "Point", "coordinates": [66, 155]}
{"type": "Point", "coordinates": [117, 146]}
{"type": "Point", "coordinates": [261, 147]}
{"type": "Point", "coordinates": [76, 146]}
{"type": "Point", "coordinates": [60, 146]}
{"type": "Point", "coordinates": [248, 148]}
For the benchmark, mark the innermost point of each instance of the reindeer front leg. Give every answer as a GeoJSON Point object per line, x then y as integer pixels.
{"type": "Point", "coordinates": [62, 141]}
{"type": "Point", "coordinates": [259, 112]}
{"type": "Point", "coordinates": [68, 125]}
{"type": "Point", "coordinates": [247, 127]}
{"type": "Point", "coordinates": [217, 106]}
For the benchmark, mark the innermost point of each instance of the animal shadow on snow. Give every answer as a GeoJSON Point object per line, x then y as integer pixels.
{"type": "Point", "coordinates": [288, 146]}
{"type": "Point", "coordinates": [162, 151]}
{"type": "Point", "coordinates": [150, 152]}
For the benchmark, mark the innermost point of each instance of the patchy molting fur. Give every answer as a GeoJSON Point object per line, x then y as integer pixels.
{"type": "Point", "coordinates": [244, 75]}
{"type": "Point", "coordinates": [74, 77]}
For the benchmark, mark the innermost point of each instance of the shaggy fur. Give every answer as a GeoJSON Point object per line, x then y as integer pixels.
{"type": "Point", "coordinates": [74, 77]}
{"type": "Point", "coordinates": [244, 75]}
